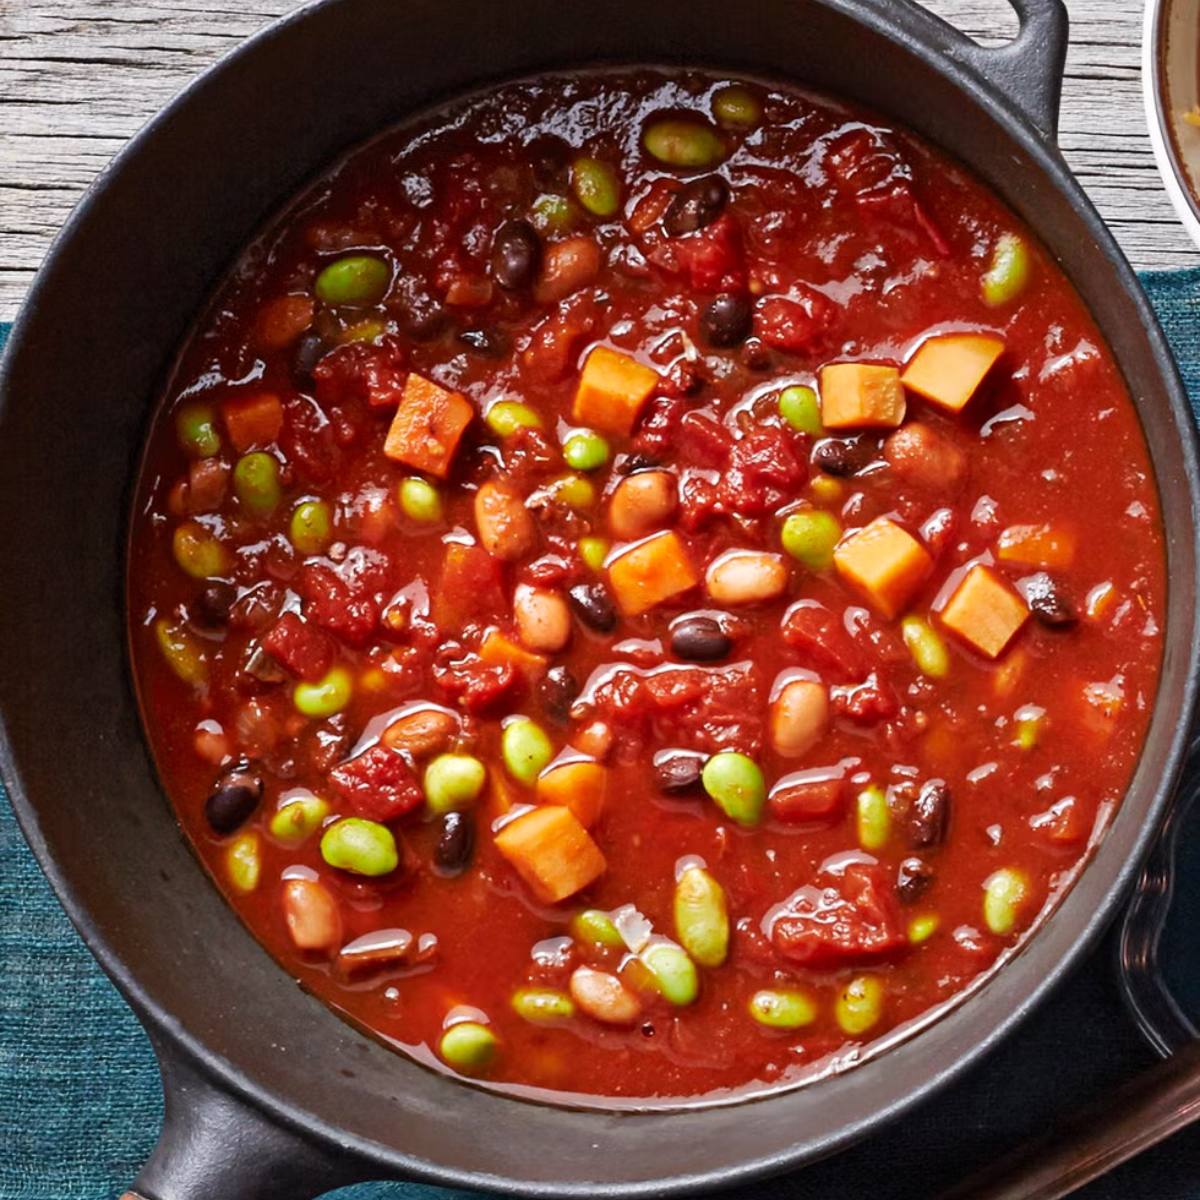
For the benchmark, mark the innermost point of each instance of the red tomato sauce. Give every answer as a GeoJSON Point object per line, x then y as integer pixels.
{"type": "Point", "coordinates": [937, 717]}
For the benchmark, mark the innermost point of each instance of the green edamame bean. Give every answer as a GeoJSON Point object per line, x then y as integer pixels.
{"type": "Point", "coordinates": [1004, 894]}
{"type": "Point", "coordinates": [243, 862]}
{"type": "Point", "coordinates": [801, 409]}
{"type": "Point", "coordinates": [552, 214]}
{"type": "Point", "coordinates": [543, 1006]}
{"type": "Point", "coordinates": [525, 749]}
{"type": "Point", "coordinates": [593, 551]}
{"type": "Point", "coordinates": [596, 186]}
{"type": "Point", "coordinates": [505, 417]}
{"type": "Point", "coordinates": [702, 916]}
{"type": "Point", "coordinates": [596, 928]}
{"type": "Point", "coordinates": [1008, 272]}
{"type": "Point", "coordinates": [325, 697]}
{"type": "Point", "coordinates": [360, 846]}
{"type": "Point", "coordinates": [736, 785]}
{"type": "Point", "coordinates": [468, 1047]}
{"type": "Point", "coordinates": [921, 929]}
{"type": "Point", "coordinates": [926, 646]}
{"type": "Point", "coordinates": [679, 142]}
{"type": "Point", "coordinates": [312, 527]}
{"type": "Point", "coordinates": [196, 429]}
{"type": "Point", "coordinates": [860, 1005]}
{"type": "Point", "coordinates": [575, 491]}
{"type": "Point", "coordinates": [419, 500]}
{"type": "Point", "coordinates": [256, 481]}
{"type": "Point", "coordinates": [736, 107]}
{"type": "Point", "coordinates": [453, 782]}
{"type": "Point", "coordinates": [358, 279]}
{"type": "Point", "coordinates": [184, 654]}
{"type": "Point", "coordinates": [872, 818]}
{"type": "Point", "coordinates": [673, 971]}
{"type": "Point", "coordinates": [810, 536]}
{"type": "Point", "coordinates": [585, 450]}
{"type": "Point", "coordinates": [782, 1008]}
{"type": "Point", "coordinates": [198, 552]}
{"type": "Point", "coordinates": [298, 819]}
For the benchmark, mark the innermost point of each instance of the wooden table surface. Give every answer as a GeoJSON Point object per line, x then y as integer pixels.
{"type": "Point", "coordinates": [78, 77]}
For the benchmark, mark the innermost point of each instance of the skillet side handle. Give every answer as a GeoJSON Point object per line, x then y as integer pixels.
{"type": "Point", "coordinates": [1028, 71]}
{"type": "Point", "coordinates": [214, 1146]}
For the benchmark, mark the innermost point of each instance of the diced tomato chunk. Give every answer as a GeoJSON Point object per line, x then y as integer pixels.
{"type": "Point", "coordinates": [713, 259]}
{"type": "Point", "coordinates": [372, 373]}
{"type": "Point", "coordinates": [851, 921]}
{"type": "Point", "coordinates": [307, 439]}
{"type": "Point", "coordinates": [800, 799]}
{"type": "Point", "coordinates": [480, 687]}
{"type": "Point", "coordinates": [796, 323]}
{"type": "Point", "coordinates": [345, 600]}
{"type": "Point", "coordinates": [378, 785]}
{"type": "Point", "coordinates": [866, 703]}
{"type": "Point", "coordinates": [821, 640]}
{"type": "Point", "coordinates": [300, 647]}
{"type": "Point", "coordinates": [764, 470]}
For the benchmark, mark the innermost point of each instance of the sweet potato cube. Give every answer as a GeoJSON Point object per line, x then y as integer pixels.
{"type": "Point", "coordinates": [496, 649]}
{"type": "Point", "coordinates": [948, 370]}
{"type": "Point", "coordinates": [861, 396]}
{"type": "Point", "coordinates": [984, 611]}
{"type": "Point", "coordinates": [580, 786]}
{"type": "Point", "coordinates": [428, 424]}
{"type": "Point", "coordinates": [552, 852]}
{"type": "Point", "coordinates": [253, 421]}
{"type": "Point", "coordinates": [650, 572]}
{"type": "Point", "coordinates": [612, 390]}
{"type": "Point", "coordinates": [1036, 546]}
{"type": "Point", "coordinates": [885, 563]}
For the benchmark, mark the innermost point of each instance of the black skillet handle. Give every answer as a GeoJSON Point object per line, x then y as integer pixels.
{"type": "Point", "coordinates": [1028, 72]}
{"type": "Point", "coordinates": [215, 1146]}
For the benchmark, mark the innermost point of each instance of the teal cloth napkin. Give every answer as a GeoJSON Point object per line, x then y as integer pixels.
{"type": "Point", "coordinates": [80, 1103]}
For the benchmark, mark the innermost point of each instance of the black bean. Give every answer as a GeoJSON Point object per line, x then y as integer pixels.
{"type": "Point", "coordinates": [593, 606]}
{"type": "Point", "coordinates": [696, 205]}
{"type": "Point", "coordinates": [309, 351]}
{"type": "Point", "coordinates": [557, 691]}
{"type": "Point", "coordinates": [516, 255]}
{"type": "Point", "coordinates": [211, 608]}
{"type": "Point", "coordinates": [1047, 602]}
{"type": "Point", "coordinates": [913, 879]}
{"type": "Point", "coordinates": [234, 797]}
{"type": "Point", "coordinates": [700, 639]}
{"type": "Point", "coordinates": [420, 314]}
{"type": "Point", "coordinates": [677, 772]}
{"type": "Point", "coordinates": [754, 355]}
{"type": "Point", "coordinates": [930, 814]}
{"type": "Point", "coordinates": [487, 342]}
{"type": "Point", "coordinates": [631, 463]}
{"type": "Point", "coordinates": [456, 840]}
{"type": "Point", "coordinates": [549, 158]}
{"type": "Point", "coordinates": [842, 456]}
{"type": "Point", "coordinates": [727, 320]}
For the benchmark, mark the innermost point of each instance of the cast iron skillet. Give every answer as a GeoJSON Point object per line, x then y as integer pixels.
{"type": "Point", "coordinates": [268, 1094]}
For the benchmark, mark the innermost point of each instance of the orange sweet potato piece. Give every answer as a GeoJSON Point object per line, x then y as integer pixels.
{"type": "Point", "coordinates": [252, 421]}
{"type": "Point", "coordinates": [427, 427]}
{"type": "Point", "coordinates": [552, 852]}
{"type": "Point", "coordinates": [496, 649]}
{"type": "Point", "coordinates": [948, 370]}
{"type": "Point", "coordinates": [1036, 546]}
{"type": "Point", "coordinates": [885, 563]}
{"type": "Point", "coordinates": [984, 611]}
{"type": "Point", "coordinates": [580, 786]}
{"type": "Point", "coordinates": [612, 390]}
{"type": "Point", "coordinates": [861, 396]}
{"type": "Point", "coordinates": [650, 572]}
{"type": "Point", "coordinates": [282, 320]}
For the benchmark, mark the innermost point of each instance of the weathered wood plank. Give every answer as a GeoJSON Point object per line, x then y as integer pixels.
{"type": "Point", "coordinates": [78, 77]}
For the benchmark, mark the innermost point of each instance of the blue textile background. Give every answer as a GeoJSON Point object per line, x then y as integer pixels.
{"type": "Point", "coordinates": [79, 1095]}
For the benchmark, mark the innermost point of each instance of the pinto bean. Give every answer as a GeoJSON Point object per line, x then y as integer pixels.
{"type": "Point", "coordinates": [311, 914]}
{"type": "Point", "coordinates": [925, 458]}
{"type": "Point", "coordinates": [420, 733]}
{"type": "Point", "coordinates": [567, 266]}
{"type": "Point", "coordinates": [642, 502]}
{"type": "Point", "coordinates": [505, 527]}
{"type": "Point", "coordinates": [745, 577]}
{"type": "Point", "coordinates": [543, 619]}
{"type": "Point", "coordinates": [799, 717]}
{"type": "Point", "coordinates": [604, 997]}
